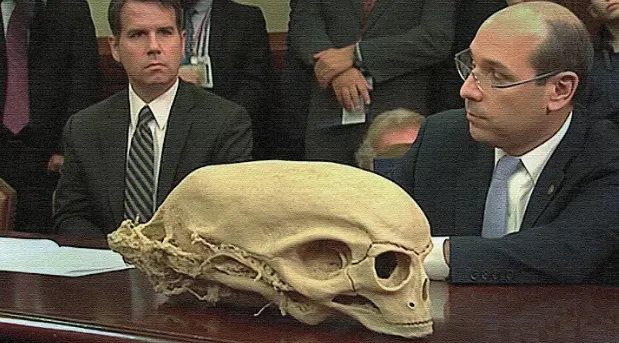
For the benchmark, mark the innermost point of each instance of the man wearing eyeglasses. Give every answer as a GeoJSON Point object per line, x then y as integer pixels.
{"type": "Point", "coordinates": [519, 186]}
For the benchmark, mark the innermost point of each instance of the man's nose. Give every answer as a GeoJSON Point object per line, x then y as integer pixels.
{"type": "Point", "coordinates": [470, 89]}
{"type": "Point", "coordinates": [154, 46]}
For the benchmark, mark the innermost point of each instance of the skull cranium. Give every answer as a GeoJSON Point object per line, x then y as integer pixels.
{"type": "Point", "coordinates": [315, 238]}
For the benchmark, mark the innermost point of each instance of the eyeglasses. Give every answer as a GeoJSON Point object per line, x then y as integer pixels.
{"type": "Point", "coordinates": [464, 65]}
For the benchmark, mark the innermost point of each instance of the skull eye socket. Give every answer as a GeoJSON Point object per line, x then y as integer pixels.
{"type": "Point", "coordinates": [392, 268]}
{"type": "Point", "coordinates": [323, 258]}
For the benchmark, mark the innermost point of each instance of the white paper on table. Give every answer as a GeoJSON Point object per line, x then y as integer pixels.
{"type": "Point", "coordinates": [44, 256]}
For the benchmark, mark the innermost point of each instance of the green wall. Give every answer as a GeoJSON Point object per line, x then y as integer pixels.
{"type": "Point", "coordinates": [275, 12]}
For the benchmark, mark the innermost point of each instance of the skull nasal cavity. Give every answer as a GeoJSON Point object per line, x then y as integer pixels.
{"type": "Point", "coordinates": [392, 268]}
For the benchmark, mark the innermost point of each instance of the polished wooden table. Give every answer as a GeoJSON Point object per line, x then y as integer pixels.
{"type": "Point", "coordinates": [121, 307]}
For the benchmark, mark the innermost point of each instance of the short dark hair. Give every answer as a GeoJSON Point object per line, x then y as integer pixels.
{"type": "Point", "coordinates": [116, 6]}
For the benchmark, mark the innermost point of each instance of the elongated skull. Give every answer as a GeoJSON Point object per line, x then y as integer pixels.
{"type": "Point", "coordinates": [317, 239]}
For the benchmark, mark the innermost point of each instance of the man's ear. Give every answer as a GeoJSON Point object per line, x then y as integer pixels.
{"type": "Point", "coordinates": [113, 42]}
{"type": "Point", "coordinates": [183, 38]}
{"type": "Point", "coordinates": [562, 89]}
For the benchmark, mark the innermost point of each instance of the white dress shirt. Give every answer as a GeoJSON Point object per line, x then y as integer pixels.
{"type": "Point", "coordinates": [160, 107]}
{"type": "Point", "coordinates": [520, 187]}
{"type": "Point", "coordinates": [7, 10]}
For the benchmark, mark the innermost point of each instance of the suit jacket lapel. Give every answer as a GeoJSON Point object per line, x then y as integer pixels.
{"type": "Point", "coordinates": [552, 177]}
{"type": "Point", "coordinates": [178, 125]}
{"type": "Point", "coordinates": [472, 185]}
{"type": "Point", "coordinates": [113, 140]}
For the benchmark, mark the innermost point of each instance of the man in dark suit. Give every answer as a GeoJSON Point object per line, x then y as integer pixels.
{"type": "Point", "coordinates": [375, 53]}
{"type": "Point", "coordinates": [446, 82]}
{"type": "Point", "coordinates": [293, 101]}
{"type": "Point", "coordinates": [59, 60]}
{"type": "Point", "coordinates": [553, 217]}
{"type": "Point", "coordinates": [189, 127]}
{"type": "Point", "coordinates": [232, 39]}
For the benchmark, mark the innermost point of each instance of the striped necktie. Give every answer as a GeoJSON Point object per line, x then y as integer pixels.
{"type": "Point", "coordinates": [17, 102]}
{"type": "Point", "coordinates": [495, 212]}
{"type": "Point", "coordinates": [139, 177]}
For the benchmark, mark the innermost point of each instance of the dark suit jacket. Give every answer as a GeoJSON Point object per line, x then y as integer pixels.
{"type": "Point", "coordinates": [401, 40]}
{"type": "Point", "coordinates": [292, 101]}
{"type": "Point", "coordinates": [202, 129]}
{"type": "Point", "coordinates": [63, 71]}
{"type": "Point", "coordinates": [445, 83]}
{"type": "Point", "coordinates": [242, 64]}
{"type": "Point", "coordinates": [240, 53]}
{"type": "Point", "coordinates": [570, 230]}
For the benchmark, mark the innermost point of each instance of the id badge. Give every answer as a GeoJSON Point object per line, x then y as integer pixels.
{"type": "Point", "coordinates": [355, 116]}
{"type": "Point", "coordinates": [358, 115]}
{"type": "Point", "coordinates": [204, 65]}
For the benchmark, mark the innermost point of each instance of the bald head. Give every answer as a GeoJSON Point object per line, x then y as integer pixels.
{"type": "Point", "coordinates": [564, 42]}
{"type": "Point", "coordinates": [532, 15]}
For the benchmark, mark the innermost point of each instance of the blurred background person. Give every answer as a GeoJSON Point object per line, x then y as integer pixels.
{"type": "Point", "coordinates": [368, 57]}
{"type": "Point", "coordinates": [446, 83]}
{"type": "Point", "coordinates": [227, 52]}
{"type": "Point", "coordinates": [390, 135]}
{"type": "Point", "coordinates": [293, 103]}
{"type": "Point", "coordinates": [603, 82]}
{"type": "Point", "coordinates": [48, 71]}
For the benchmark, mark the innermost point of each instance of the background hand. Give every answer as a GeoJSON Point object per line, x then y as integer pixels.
{"type": "Point", "coordinates": [332, 62]}
{"type": "Point", "coordinates": [351, 88]}
{"type": "Point", "coordinates": [55, 163]}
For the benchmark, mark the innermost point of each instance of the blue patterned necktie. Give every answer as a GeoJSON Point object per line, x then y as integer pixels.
{"type": "Point", "coordinates": [495, 212]}
{"type": "Point", "coordinates": [139, 177]}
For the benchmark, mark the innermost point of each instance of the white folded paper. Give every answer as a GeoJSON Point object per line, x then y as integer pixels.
{"type": "Point", "coordinates": [44, 256]}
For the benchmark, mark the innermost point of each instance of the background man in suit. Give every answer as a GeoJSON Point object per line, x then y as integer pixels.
{"type": "Point", "coordinates": [554, 219]}
{"type": "Point", "coordinates": [375, 53]}
{"type": "Point", "coordinates": [189, 127]}
{"type": "Point", "coordinates": [230, 42]}
{"type": "Point", "coordinates": [56, 52]}
{"type": "Point", "coordinates": [293, 100]}
{"type": "Point", "coordinates": [603, 97]}
{"type": "Point", "coordinates": [445, 84]}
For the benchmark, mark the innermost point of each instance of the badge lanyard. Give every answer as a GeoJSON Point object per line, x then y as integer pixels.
{"type": "Point", "coordinates": [201, 36]}
{"type": "Point", "coordinates": [199, 54]}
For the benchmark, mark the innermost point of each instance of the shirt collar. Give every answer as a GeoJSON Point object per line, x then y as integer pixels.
{"type": "Point", "coordinates": [160, 106]}
{"type": "Point", "coordinates": [535, 160]}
